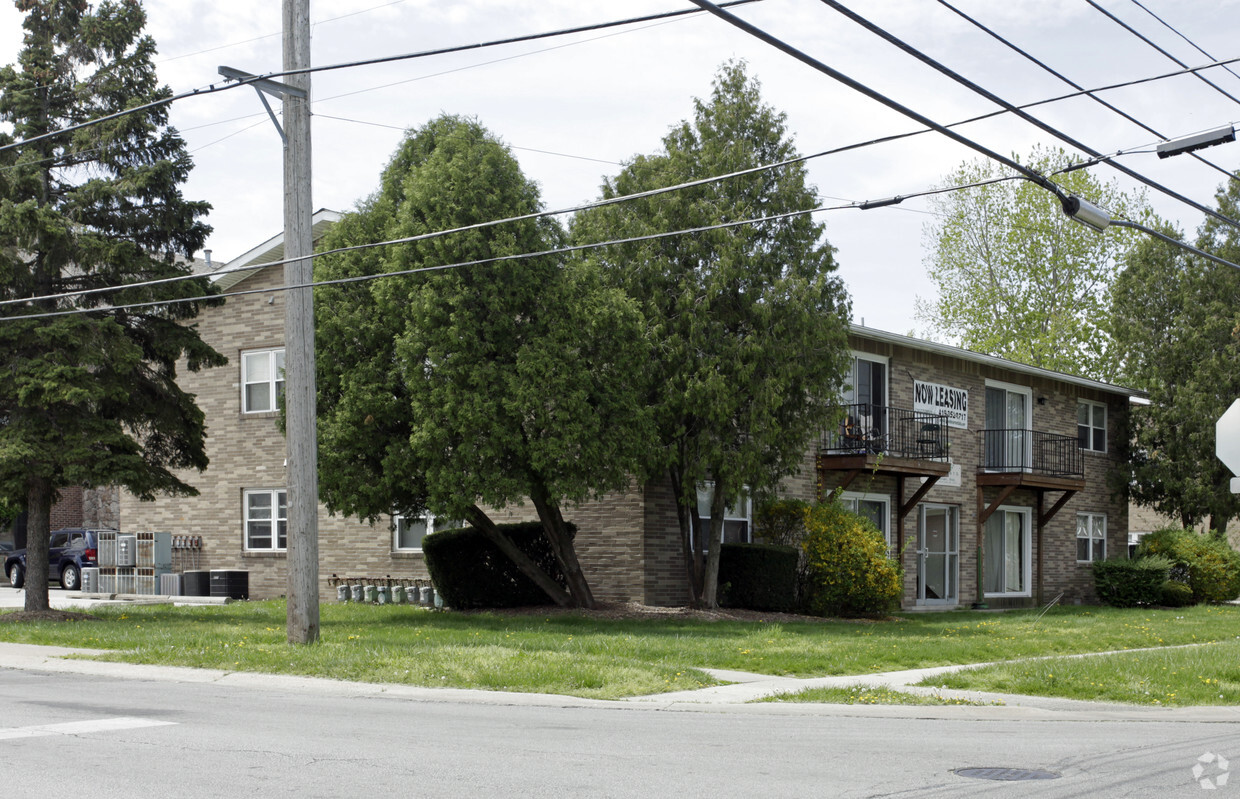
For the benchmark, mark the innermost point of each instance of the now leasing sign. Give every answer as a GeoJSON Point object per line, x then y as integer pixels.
{"type": "Point", "coordinates": [935, 399]}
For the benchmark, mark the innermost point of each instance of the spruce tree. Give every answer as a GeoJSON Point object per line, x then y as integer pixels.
{"type": "Point", "coordinates": [91, 398]}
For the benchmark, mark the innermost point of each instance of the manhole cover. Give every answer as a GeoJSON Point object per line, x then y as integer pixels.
{"type": "Point", "coordinates": [1007, 774]}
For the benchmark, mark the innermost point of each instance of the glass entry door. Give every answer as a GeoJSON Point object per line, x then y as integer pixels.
{"type": "Point", "coordinates": [938, 555]}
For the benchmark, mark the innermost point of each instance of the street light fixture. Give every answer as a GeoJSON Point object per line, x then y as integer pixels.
{"type": "Point", "coordinates": [1197, 141]}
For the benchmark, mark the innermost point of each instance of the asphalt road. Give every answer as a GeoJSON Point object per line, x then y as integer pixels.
{"type": "Point", "coordinates": [94, 735]}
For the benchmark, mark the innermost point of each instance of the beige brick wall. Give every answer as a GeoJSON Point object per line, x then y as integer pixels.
{"type": "Point", "coordinates": [1054, 566]}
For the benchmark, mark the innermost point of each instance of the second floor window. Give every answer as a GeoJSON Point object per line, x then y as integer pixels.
{"type": "Point", "coordinates": [1091, 426]}
{"type": "Point", "coordinates": [262, 380]}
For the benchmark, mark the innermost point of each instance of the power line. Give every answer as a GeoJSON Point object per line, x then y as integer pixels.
{"type": "Point", "coordinates": [510, 146]}
{"type": "Point", "coordinates": [1143, 38]}
{"type": "Point", "coordinates": [351, 64]}
{"type": "Point", "coordinates": [864, 205]}
{"type": "Point", "coordinates": [1171, 28]}
{"type": "Point", "coordinates": [277, 33]}
{"type": "Point", "coordinates": [653, 192]}
{"type": "Point", "coordinates": [1073, 83]}
{"type": "Point", "coordinates": [963, 81]}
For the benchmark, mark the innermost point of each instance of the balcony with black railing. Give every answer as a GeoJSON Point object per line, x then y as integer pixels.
{"type": "Point", "coordinates": [869, 430]}
{"type": "Point", "coordinates": [1031, 458]}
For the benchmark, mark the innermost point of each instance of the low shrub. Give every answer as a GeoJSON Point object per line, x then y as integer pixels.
{"type": "Point", "coordinates": [1176, 594]}
{"type": "Point", "coordinates": [469, 571]}
{"type": "Point", "coordinates": [1212, 566]}
{"type": "Point", "coordinates": [758, 577]}
{"type": "Point", "coordinates": [1125, 583]}
{"type": "Point", "coordinates": [849, 570]}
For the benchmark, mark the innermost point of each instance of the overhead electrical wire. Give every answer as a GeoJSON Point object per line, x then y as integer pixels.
{"type": "Point", "coordinates": [974, 87]}
{"type": "Point", "coordinates": [1148, 41]}
{"type": "Point", "coordinates": [863, 205]}
{"type": "Point", "coordinates": [650, 193]}
{"type": "Point", "coordinates": [213, 88]}
{"type": "Point", "coordinates": [1172, 28]}
{"type": "Point", "coordinates": [973, 21]}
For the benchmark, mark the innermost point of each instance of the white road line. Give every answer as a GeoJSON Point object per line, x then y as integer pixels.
{"type": "Point", "coordinates": [81, 727]}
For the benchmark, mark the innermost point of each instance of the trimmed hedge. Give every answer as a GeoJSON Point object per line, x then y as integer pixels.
{"type": "Point", "coordinates": [1212, 566]}
{"type": "Point", "coordinates": [469, 571]}
{"type": "Point", "coordinates": [758, 577]}
{"type": "Point", "coordinates": [1125, 583]}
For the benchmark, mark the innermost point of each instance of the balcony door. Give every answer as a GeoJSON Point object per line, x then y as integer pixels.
{"type": "Point", "coordinates": [1007, 445]}
{"type": "Point", "coordinates": [866, 394]}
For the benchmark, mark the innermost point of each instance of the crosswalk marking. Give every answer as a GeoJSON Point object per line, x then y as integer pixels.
{"type": "Point", "coordinates": [81, 727]}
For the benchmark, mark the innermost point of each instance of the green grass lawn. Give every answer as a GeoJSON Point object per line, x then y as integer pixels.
{"type": "Point", "coordinates": [601, 658]}
{"type": "Point", "coordinates": [866, 695]}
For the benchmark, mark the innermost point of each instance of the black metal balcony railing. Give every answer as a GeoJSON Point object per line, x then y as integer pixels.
{"type": "Point", "coordinates": [1031, 451]}
{"type": "Point", "coordinates": [881, 430]}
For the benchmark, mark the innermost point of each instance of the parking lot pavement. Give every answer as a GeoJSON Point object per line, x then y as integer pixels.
{"type": "Point", "coordinates": [62, 600]}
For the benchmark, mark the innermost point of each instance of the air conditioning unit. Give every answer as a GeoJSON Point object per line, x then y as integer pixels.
{"type": "Point", "coordinates": [126, 550]}
{"type": "Point", "coordinates": [90, 579]}
{"type": "Point", "coordinates": [170, 584]}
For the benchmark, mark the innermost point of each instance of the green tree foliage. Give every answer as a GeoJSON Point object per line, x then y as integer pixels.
{"type": "Point", "coordinates": [850, 572]}
{"type": "Point", "coordinates": [92, 399]}
{"type": "Point", "coordinates": [474, 387]}
{"type": "Point", "coordinates": [1019, 279]}
{"type": "Point", "coordinates": [1177, 322]}
{"type": "Point", "coordinates": [745, 327]}
{"type": "Point", "coordinates": [1212, 568]}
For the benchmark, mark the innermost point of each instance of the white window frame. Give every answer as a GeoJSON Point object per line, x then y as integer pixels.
{"type": "Point", "coordinates": [274, 382]}
{"type": "Point", "coordinates": [433, 523]}
{"type": "Point", "coordinates": [850, 499]}
{"type": "Point", "coordinates": [1019, 440]}
{"type": "Point", "coordinates": [850, 390]}
{"type": "Point", "coordinates": [1094, 527]}
{"type": "Point", "coordinates": [1093, 408]}
{"type": "Point", "coordinates": [705, 494]}
{"type": "Point", "coordinates": [1026, 553]}
{"type": "Point", "coordinates": [275, 521]}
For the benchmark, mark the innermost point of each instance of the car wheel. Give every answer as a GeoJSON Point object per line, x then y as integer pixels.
{"type": "Point", "coordinates": [70, 578]}
{"type": "Point", "coordinates": [17, 575]}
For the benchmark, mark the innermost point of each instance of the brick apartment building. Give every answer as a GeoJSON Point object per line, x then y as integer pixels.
{"type": "Point", "coordinates": [1017, 461]}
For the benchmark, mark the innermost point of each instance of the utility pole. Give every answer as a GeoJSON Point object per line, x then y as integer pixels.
{"type": "Point", "coordinates": [299, 391]}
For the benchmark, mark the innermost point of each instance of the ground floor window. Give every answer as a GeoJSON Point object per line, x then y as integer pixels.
{"type": "Point", "coordinates": [737, 517]}
{"type": "Point", "coordinates": [875, 507]}
{"type": "Point", "coordinates": [266, 519]}
{"type": "Point", "coordinates": [1091, 537]}
{"type": "Point", "coordinates": [408, 531]}
{"type": "Point", "coordinates": [1008, 552]}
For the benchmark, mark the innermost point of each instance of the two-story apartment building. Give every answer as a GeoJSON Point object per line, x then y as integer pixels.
{"type": "Point", "coordinates": [951, 453]}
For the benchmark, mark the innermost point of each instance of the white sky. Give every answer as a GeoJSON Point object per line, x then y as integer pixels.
{"type": "Point", "coordinates": [614, 94]}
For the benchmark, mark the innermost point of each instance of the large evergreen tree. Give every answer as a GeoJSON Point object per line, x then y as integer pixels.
{"type": "Point", "coordinates": [92, 399]}
{"type": "Point", "coordinates": [746, 327]}
{"type": "Point", "coordinates": [477, 387]}
{"type": "Point", "coordinates": [1017, 277]}
{"type": "Point", "coordinates": [1177, 321]}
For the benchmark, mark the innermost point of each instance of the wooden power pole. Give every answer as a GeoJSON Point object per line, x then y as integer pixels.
{"type": "Point", "coordinates": [299, 391]}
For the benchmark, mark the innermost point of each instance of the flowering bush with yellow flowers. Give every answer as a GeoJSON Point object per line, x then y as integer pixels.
{"type": "Point", "coordinates": [849, 572]}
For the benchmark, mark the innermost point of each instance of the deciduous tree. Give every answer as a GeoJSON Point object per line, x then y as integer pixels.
{"type": "Point", "coordinates": [745, 327]}
{"type": "Point", "coordinates": [92, 399]}
{"type": "Point", "coordinates": [1018, 278]}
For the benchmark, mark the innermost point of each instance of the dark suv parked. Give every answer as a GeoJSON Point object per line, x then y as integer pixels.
{"type": "Point", "coordinates": [69, 551]}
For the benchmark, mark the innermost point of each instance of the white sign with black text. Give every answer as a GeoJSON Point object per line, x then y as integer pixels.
{"type": "Point", "coordinates": [934, 398]}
